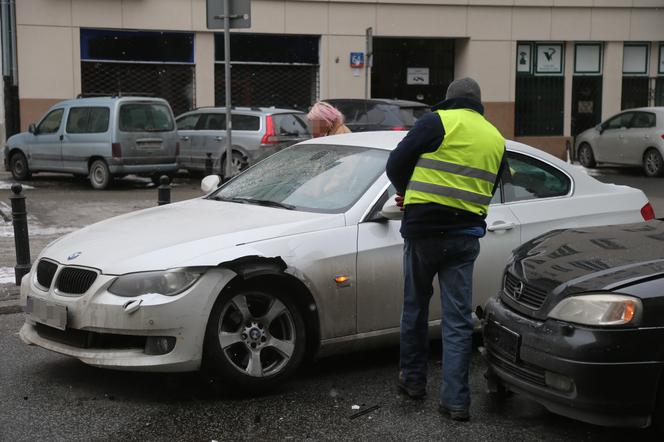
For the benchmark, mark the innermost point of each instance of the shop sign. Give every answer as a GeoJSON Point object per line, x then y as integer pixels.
{"type": "Point", "coordinates": [417, 76]}
{"type": "Point", "coordinates": [524, 63]}
{"type": "Point", "coordinates": [549, 58]}
{"type": "Point", "coordinates": [357, 59]}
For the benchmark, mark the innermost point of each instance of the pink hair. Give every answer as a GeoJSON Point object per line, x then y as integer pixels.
{"type": "Point", "coordinates": [323, 111]}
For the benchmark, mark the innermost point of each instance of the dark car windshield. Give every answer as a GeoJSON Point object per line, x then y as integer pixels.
{"type": "Point", "coordinates": [145, 117]}
{"type": "Point", "coordinates": [409, 115]}
{"type": "Point", "coordinates": [314, 177]}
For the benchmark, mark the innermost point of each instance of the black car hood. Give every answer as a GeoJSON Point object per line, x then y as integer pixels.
{"type": "Point", "coordinates": [565, 262]}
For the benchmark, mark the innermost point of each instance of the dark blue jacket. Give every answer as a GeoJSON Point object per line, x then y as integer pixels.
{"type": "Point", "coordinates": [426, 136]}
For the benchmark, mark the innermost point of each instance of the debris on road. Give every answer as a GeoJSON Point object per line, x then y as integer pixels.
{"type": "Point", "coordinates": [363, 412]}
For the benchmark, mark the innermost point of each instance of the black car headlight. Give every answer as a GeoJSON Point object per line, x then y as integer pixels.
{"type": "Point", "coordinates": [164, 282]}
{"type": "Point", "coordinates": [602, 309]}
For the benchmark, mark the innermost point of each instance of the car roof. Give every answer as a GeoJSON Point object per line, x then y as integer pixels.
{"type": "Point", "coordinates": [245, 109]}
{"type": "Point", "coordinates": [397, 102]}
{"type": "Point", "coordinates": [90, 101]}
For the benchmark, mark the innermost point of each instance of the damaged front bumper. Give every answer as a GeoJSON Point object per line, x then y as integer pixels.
{"type": "Point", "coordinates": [143, 333]}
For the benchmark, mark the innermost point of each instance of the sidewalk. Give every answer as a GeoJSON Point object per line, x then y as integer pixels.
{"type": "Point", "coordinates": [9, 299]}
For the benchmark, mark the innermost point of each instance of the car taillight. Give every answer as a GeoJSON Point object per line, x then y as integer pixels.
{"type": "Point", "coordinates": [397, 128]}
{"type": "Point", "coordinates": [116, 150]}
{"type": "Point", "coordinates": [270, 133]}
{"type": "Point", "coordinates": [647, 212]}
{"type": "Point", "coordinates": [177, 148]}
{"type": "Point", "coordinates": [662, 136]}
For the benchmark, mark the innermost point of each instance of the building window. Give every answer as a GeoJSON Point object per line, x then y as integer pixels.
{"type": "Point", "coordinates": [586, 86]}
{"type": "Point", "coordinates": [158, 64]}
{"type": "Point", "coordinates": [635, 82]}
{"type": "Point", "coordinates": [269, 70]}
{"type": "Point", "coordinates": [539, 89]}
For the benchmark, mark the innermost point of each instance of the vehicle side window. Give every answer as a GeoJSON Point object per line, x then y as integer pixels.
{"type": "Point", "coordinates": [643, 120]}
{"type": "Point", "coordinates": [531, 179]}
{"type": "Point", "coordinates": [348, 110]}
{"type": "Point", "coordinates": [622, 120]}
{"type": "Point", "coordinates": [212, 122]}
{"type": "Point", "coordinates": [51, 122]}
{"type": "Point", "coordinates": [188, 122]}
{"type": "Point", "coordinates": [85, 120]}
{"type": "Point", "coordinates": [245, 122]}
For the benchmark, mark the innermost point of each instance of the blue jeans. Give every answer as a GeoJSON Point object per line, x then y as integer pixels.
{"type": "Point", "coordinates": [452, 258]}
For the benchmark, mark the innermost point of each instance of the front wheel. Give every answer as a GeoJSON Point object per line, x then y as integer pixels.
{"type": "Point", "coordinates": [653, 166]}
{"type": "Point", "coordinates": [586, 156]}
{"type": "Point", "coordinates": [254, 340]}
{"type": "Point", "coordinates": [18, 165]}
{"type": "Point", "coordinates": [100, 175]}
{"type": "Point", "coordinates": [239, 162]}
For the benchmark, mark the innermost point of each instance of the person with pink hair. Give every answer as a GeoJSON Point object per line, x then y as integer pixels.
{"type": "Point", "coordinates": [326, 120]}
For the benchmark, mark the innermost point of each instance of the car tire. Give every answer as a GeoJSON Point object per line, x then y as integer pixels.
{"type": "Point", "coordinates": [586, 156]}
{"type": "Point", "coordinates": [100, 175]}
{"type": "Point", "coordinates": [254, 340]}
{"type": "Point", "coordinates": [18, 165]}
{"type": "Point", "coordinates": [653, 165]}
{"type": "Point", "coordinates": [239, 162]}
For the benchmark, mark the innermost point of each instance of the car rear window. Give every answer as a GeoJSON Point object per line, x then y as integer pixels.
{"type": "Point", "coordinates": [87, 120]}
{"type": "Point", "coordinates": [145, 117]}
{"type": "Point", "coordinates": [290, 124]}
{"type": "Point", "coordinates": [218, 122]}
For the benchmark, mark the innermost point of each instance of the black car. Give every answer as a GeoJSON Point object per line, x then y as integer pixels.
{"type": "Point", "coordinates": [579, 324]}
{"type": "Point", "coordinates": [379, 114]}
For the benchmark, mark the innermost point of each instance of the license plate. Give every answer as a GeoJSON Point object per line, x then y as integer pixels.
{"type": "Point", "coordinates": [46, 312]}
{"type": "Point", "coordinates": [503, 340]}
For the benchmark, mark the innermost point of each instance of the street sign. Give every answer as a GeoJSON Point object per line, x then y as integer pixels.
{"type": "Point", "coordinates": [417, 76]}
{"type": "Point", "coordinates": [240, 14]}
{"type": "Point", "coordinates": [357, 59]}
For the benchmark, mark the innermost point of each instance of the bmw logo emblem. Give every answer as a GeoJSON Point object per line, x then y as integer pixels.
{"type": "Point", "coordinates": [74, 256]}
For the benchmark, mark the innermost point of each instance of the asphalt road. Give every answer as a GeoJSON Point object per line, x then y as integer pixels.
{"type": "Point", "coordinates": [46, 396]}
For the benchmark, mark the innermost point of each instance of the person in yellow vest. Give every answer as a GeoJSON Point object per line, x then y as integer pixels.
{"type": "Point", "coordinates": [446, 170]}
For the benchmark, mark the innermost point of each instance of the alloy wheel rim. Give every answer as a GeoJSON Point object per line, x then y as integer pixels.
{"type": "Point", "coordinates": [653, 163]}
{"type": "Point", "coordinates": [256, 334]}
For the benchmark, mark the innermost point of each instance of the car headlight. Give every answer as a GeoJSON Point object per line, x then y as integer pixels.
{"type": "Point", "coordinates": [166, 282]}
{"type": "Point", "coordinates": [598, 309]}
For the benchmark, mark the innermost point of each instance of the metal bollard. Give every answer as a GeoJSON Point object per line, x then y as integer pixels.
{"type": "Point", "coordinates": [21, 239]}
{"type": "Point", "coordinates": [164, 190]}
{"type": "Point", "coordinates": [208, 164]}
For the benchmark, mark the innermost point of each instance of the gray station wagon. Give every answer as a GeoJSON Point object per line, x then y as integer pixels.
{"type": "Point", "coordinates": [102, 138]}
{"type": "Point", "coordinates": [257, 133]}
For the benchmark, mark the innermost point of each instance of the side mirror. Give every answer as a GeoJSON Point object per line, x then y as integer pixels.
{"type": "Point", "coordinates": [210, 183]}
{"type": "Point", "coordinates": [32, 128]}
{"type": "Point", "coordinates": [390, 209]}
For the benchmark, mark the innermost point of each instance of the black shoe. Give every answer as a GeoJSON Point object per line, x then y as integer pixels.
{"type": "Point", "coordinates": [412, 391]}
{"type": "Point", "coordinates": [455, 415]}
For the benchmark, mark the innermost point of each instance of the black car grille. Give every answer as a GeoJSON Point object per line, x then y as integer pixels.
{"type": "Point", "coordinates": [520, 370]}
{"type": "Point", "coordinates": [45, 273]}
{"type": "Point", "coordinates": [523, 293]}
{"type": "Point", "coordinates": [75, 281]}
{"type": "Point", "coordinates": [88, 339]}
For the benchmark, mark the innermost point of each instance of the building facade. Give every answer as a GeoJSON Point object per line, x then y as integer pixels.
{"type": "Point", "coordinates": [548, 68]}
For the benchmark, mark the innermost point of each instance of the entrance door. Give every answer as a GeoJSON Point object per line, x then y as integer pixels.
{"type": "Point", "coordinates": [586, 102]}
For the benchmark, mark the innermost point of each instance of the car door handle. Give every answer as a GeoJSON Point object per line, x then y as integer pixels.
{"type": "Point", "coordinates": [219, 138]}
{"type": "Point", "coordinates": [184, 138]}
{"type": "Point", "coordinates": [500, 225]}
{"type": "Point", "coordinates": [62, 137]}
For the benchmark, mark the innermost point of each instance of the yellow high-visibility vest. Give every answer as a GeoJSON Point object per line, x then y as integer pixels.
{"type": "Point", "coordinates": [461, 173]}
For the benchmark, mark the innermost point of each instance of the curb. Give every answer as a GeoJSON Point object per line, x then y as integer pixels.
{"type": "Point", "coordinates": [11, 306]}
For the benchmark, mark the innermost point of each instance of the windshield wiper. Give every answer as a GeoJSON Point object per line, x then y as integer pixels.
{"type": "Point", "coordinates": [267, 203]}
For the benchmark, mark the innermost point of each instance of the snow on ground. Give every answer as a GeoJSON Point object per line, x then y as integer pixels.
{"type": "Point", "coordinates": [7, 275]}
{"type": "Point", "coordinates": [34, 228]}
{"type": "Point", "coordinates": [6, 185]}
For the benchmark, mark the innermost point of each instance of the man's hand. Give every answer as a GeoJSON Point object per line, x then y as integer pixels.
{"type": "Point", "coordinates": [399, 200]}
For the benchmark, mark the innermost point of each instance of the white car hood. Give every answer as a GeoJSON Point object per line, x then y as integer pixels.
{"type": "Point", "coordinates": [172, 235]}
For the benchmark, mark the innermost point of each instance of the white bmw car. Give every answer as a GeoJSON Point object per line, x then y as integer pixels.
{"type": "Point", "coordinates": [293, 257]}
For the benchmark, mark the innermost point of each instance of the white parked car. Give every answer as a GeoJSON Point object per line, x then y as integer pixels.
{"type": "Point", "coordinates": [634, 137]}
{"type": "Point", "coordinates": [292, 257]}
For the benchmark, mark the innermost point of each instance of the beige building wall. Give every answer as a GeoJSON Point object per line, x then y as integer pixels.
{"type": "Point", "coordinates": [486, 32]}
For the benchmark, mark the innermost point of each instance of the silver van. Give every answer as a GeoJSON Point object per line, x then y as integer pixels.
{"type": "Point", "coordinates": [257, 133]}
{"type": "Point", "coordinates": [101, 138]}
